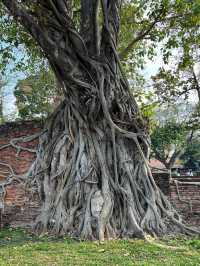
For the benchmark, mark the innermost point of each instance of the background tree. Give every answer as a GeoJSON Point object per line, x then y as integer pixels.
{"type": "Point", "coordinates": [191, 156]}
{"type": "Point", "coordinates": [36, 95]}
{"type": "Point", "coordinates": [180, 85]}
{"type": "Point", "coordinates": [163, 27]}
{"type": "Point", "coordinates": [172, 85]}
{"type": "Point", "coordinates": [169, 142]}
{"type": "Point", "coordinates": [92, 166]}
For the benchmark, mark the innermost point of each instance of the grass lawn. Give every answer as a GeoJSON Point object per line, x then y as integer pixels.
{"type": "Point", "coordinates": [20, 248]}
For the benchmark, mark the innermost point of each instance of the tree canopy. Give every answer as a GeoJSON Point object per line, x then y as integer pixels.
{"type": "Point", "coordinates": [145, 26]}
{"type": "Point", "coordinates": [169, 142]}
{"type": "Point", "coordinates": [169, 28]}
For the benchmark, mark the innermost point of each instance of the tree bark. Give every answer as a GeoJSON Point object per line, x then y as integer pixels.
{"type": "Point", "coordinates": [91, 167]}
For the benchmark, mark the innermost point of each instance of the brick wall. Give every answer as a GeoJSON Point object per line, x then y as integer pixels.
{"type": "Point", "coordinates": [185, 197]}
{"type": "Point", "coordinates": [184, 194]}
{"type": "Point", "coordinates": [20, 206]}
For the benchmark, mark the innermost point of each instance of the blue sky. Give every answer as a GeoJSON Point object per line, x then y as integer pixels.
{"type": "Point", "coordinates": [11, 79]}
{"type": "Point", "coordinates": [9, 98]}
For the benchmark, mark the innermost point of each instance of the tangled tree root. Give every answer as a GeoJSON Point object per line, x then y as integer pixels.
{"type": "Point", "coordinates": [95, 183]}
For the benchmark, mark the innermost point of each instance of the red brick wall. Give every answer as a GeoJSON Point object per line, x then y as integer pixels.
{"type": "Point", "coordinates": [20, 207]}
{"type": "Point", "coordinates": [9, 131]}
{"type": "Point", "coordinates": [185, 196]}
{"type": "Point", "coordinates": [187, 201]}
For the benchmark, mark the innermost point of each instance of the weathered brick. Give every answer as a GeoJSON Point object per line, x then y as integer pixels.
{"type": "Point", "coordinates": [20, 209]}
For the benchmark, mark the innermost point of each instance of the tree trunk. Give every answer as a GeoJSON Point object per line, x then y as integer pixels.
{"type": "Point", "coordinates": [91, 167]}
{"type": "Point", "coordinates": [96, 181]}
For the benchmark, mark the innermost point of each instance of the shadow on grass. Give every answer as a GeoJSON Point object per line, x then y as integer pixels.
{"type": "Point", "coordinates": [18, 237]}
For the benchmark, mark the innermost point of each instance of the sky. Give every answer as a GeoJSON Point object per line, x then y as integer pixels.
{"type": "Point", "coordinates": [12, 78]}
{"type": "Point", "coordinates": [8, 96]}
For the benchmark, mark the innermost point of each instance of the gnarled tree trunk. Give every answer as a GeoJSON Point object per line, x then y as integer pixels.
{"type": "Point", "coordinates": [91, 167]}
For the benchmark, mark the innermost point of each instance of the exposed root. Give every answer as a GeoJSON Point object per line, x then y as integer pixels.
{"type": "Point", "coordinates": [97, 184]}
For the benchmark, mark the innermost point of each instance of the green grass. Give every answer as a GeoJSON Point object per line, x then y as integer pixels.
{"type": "Point", "coordinates": [20, 248]}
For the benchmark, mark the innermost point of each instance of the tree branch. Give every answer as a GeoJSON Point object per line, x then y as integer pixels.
{"type": "Point", "coordinates": [141, 35]}
{"type": "Point", "coordinates": [109, 37]}
{"type": "Point", "coordinates": [21, 15]}
{"type": "Point", "coordinates": [54, 32]}
{"type": "Point", "coordinates": [30, 23]}
{"type": "Point", "coordinates": [111, 10]}
{"type": "Point", "coordinates": [90, 25]}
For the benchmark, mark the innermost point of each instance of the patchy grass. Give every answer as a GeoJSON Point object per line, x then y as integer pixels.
{"type": "Point", "coordinates": [20, 248]}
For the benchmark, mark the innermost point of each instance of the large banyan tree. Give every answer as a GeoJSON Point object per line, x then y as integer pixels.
{"type": "Point", "coordinates": [91, 167]}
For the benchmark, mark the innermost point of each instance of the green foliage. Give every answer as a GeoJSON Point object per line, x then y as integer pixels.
{"type": "Point", "coordinates": [168, 85]}
{"type": "Point", "coordinates": [148, 111]}
{"type": "Point", "coordinates": [191, 156]}
{"type": "Point", "coordinates": [171, 85]}
{"type": "Point", "coordinates": [19, 248]}
{"type": "Point", "coordinates": [148, 24]}
{"type": "Point", "coordinates": [170, 25]}
{"type": "Point", "coordinates": [36, 95]}
{"type": "Point", "coordinates": [18, 50]}
{"type": "Point", "coordinates": [169, 136]}
{"type": "Point", "coordinates": [148, 106]}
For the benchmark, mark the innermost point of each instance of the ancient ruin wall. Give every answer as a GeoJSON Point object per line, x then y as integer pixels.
{"type": "Point", "coordinates": [20, 206]}
{"type": "Point", "coordinates": [185, 196]}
